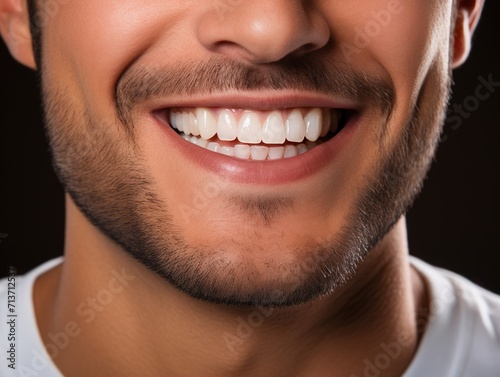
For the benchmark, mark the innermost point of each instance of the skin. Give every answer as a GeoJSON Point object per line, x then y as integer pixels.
{"type": "Point", "coordinates": [110, 159]}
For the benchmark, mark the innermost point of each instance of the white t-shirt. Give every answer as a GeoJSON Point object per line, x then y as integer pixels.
{"type": "Point", "coordinates": [462, 338]}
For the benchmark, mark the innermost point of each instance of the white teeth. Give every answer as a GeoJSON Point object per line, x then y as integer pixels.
{"type": "Point", "coordinates": [185, 123]}
{"type": "Point", "coordinates": [249, 129]}
{"type": "Point", "coordinates": [253, 152]}
{"type": "Point", "coordinates": [259, 153]}
{"type": "Point", "coordinates": [291, 151]}
{"type": "Point", "coordinates": [242, 151]}
{"type": "Point", "coordinates": [314, 123]}
{"type": "Point", "coordinates": [276, 153]}
{"type": "Point", "coordinates": [176, 121]}
{"type": "Point", "coordinates": [226, 126]}
{"type": "Point", "coordinates": [214, 147]}
{"type": "Point", "coordinates": [228, 151]}
{"type": "Point", "coordinates": [202, 142]}
{"type": "Point", "coordinates": [193, 125]}
{"type": "Point", "coordinates": [200, 125]}
{"type": "Point", "coordinates": [274, 129]}
{"type": "Point", "coordinates": [295, 126]}
{"type": "Point", "coordinates": [206, 123]}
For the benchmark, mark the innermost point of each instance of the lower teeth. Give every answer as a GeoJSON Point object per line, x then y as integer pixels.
{"type": "Point", "coordinates": [253, 152]}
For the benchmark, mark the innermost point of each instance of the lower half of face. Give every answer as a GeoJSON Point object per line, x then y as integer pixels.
{"type": "Point", "coordinates": [243, 243]}
{"type": "Point", "coordinates": [265, 205]}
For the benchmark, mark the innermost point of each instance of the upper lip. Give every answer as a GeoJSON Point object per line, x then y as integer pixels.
{"type": "Point", "coordinates": [258, 100]}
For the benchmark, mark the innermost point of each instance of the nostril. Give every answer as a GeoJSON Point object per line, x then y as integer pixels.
{"type": "Point", "coordinates": [307, 47]}
{"type": "Point", "coordinates": [304, 49]}
{"type": "Point", "coordinates": [223, 44]}
{"type": "Point", "coordinates": [231, 49]}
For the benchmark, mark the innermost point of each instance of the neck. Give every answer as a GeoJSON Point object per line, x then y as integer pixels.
{"type": "Point", "coordinates": [137, 322]}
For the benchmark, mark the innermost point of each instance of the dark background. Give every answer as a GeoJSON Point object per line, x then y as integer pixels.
{"type": "Point", "coordinates": [454, 222]}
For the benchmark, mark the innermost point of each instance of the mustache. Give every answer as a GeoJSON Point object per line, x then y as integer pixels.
{"type": "Point", "coordinates": [217, 74]}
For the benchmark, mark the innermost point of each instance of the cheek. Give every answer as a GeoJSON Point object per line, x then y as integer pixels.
{"type": "Point", "coordinates": [413, 41]}
{"type": "Point", "coordinates": [400, 39]}
{"type": "Point", "coordinates": [88, 45]}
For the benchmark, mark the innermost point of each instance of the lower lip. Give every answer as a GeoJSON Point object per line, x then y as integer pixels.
{"type": "Point", "coordinates": [285, 170]}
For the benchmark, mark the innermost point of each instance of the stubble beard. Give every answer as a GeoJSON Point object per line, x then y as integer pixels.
{"type": "Point", "coordinates": [110, 184]}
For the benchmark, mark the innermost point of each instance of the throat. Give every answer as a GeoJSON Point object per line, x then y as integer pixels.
{"type": "Point", "coordinates": [175, 335]}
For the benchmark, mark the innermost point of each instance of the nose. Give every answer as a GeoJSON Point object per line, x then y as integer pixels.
{"type": "Point", "coordinates": [263, 31]}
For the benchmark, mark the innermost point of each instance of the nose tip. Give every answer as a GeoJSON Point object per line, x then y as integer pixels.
{"type": "Point", "coordinates": [264, 31]}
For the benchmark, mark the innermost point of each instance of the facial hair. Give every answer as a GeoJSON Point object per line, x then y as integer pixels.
{"type": "Point", "coordinates": [108, 179]}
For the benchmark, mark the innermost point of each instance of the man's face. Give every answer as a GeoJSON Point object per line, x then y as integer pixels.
{"type": "Point", "coordinates": [263, 227]}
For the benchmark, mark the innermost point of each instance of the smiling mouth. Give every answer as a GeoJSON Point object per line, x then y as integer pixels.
{"type": "Point", "coordinates": [255, 135]}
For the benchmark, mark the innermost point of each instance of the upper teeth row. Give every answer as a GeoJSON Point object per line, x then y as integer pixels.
{"type": "Point", "coordinates": [275, 129]}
